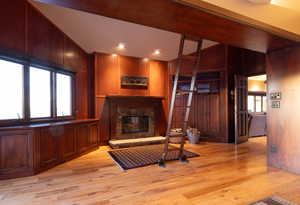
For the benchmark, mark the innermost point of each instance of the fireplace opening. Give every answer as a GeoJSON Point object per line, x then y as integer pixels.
{"type": "Point", "coordinates": [135, 124]}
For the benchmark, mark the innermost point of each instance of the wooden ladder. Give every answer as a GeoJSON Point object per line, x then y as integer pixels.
{"type": "Point", "coordinates": [187, 107]}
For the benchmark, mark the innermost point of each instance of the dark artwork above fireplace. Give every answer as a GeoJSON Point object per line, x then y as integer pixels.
{"type": "Point", "coordinates": [135, 124]}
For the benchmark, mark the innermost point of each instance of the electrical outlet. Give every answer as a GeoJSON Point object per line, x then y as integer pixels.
{"type": "Point", "coordinates": [275, 104]}
{"type": "Point", "coordinates": [274, 148]}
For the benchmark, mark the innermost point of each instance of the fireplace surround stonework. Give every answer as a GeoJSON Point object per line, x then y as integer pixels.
{"type": "Point", "coordinates": [122, 106]}
{"type": "Point", "coordinates": [124, 111]}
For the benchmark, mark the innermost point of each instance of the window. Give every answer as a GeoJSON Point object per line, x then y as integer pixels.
{"type": "Point", "coordinates": [257, 102]}
{"type": "Point", "coordinates": [63, 95]}
{"type": "Point", "coordinates": [40, 93]}
{"type": "Point", "coordinates": [11, 90]}
{"type": "Point", "coordinates": [251, 107]}
{"type": "Point", "coordinates": [264, 104]}
{"type": "Point", "coordinates": [34, 93]}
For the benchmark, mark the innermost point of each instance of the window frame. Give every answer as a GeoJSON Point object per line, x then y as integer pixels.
{"type": "Point", "coordinates": [26, 91]}
{"type": "Point", "coordinates": [257, 94]}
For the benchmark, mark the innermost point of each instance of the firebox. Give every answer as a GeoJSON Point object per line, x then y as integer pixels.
{"type": "Point", "coordinates": [135, 124]}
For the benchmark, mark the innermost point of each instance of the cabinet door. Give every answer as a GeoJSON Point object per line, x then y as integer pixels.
{"type": "Point", "coordinates": [83, 140]}
{"type": "Point", "coordinates": [68, 143]}
{"type": "Point", "coordinates": [49, 146]}
{"type": "Point", "coordinates": [16, 153]}
{"type": "Point", "coordinates": [93, 135]}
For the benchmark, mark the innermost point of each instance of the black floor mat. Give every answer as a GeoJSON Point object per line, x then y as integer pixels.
{"type": "Point", "coordinates": [134, 157]}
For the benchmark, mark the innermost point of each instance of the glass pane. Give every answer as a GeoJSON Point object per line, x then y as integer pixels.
{"type": "Point", "coordinates": [264, 104]}
{"type": "Point", "coordinates": [40, 93]}
{"type": "Point", "coordinates": [258, 104]}
{"type": "Point", "coordinates": [11, 90]}
{"type": "Point", "coordinates": [64, 95]}
{"type": "Point", "coordinates": [250, 103]}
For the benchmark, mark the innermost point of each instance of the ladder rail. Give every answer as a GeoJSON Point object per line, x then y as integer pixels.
{"type": "Point", "coordinates": [189, 101]}
{"type": "Point", "coordinates": [172, 104]}
{"type": "Point", "coordinates": [190, 98]}
{"type": "Point", "coordinates": [175, 84]}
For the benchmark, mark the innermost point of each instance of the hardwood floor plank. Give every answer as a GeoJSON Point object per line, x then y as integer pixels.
{"type": "Point", "coordinates": [223, 174]}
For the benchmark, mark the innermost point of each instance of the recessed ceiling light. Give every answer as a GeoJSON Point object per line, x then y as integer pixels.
{"type": "Point", "coordinates": [121, 46]}
{"type": "Point", "coordinates": [156, 52]}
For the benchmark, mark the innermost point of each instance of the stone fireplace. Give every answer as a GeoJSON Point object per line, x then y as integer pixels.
{"type": "Point", "coordinates": [134, 117]}
{"type": "Point", "coordinates": [134, 122]}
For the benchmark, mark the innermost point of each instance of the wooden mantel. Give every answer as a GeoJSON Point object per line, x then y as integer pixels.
{"type": "Point", "coordinates": [133, 97]}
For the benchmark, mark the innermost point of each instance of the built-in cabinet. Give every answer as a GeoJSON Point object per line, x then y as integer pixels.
{"type": "Point", "coordinates": [25, 152]}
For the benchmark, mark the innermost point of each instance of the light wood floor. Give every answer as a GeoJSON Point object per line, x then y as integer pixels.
{"type": "Point", "coordinates": [224, 174]}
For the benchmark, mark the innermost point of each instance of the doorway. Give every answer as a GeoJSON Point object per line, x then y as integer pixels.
{"type": "Point", "coordinates": [257, 105]}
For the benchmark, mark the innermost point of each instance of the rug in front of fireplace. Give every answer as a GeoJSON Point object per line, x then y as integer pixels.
{"type": "Point", "coordinates": [141, 156]}
{"type": "Point", "coordinates": [274, 200]}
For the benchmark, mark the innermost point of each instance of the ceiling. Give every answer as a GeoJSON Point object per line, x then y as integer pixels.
{"type": "Point", "coordinates": [96, 33]}
{"type": "Point", "coordinates": [281, 17]}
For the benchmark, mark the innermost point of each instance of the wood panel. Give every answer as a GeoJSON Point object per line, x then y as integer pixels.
{"type": "Point", "coordinates": [74, 57]}
{"type": "Point", "coordinates": [81, 98]}
{"type": "Point", "coordinates": [283, 70]}
{"type": "Point", "coordinates": [12, 23]}
{"type": "Point", "coordinates": [158, 78]}
{"type": "Point", "coordinates": [49, 146]}
{"type": "Point", "coordinates": [107, 74]}
{"type": "Point", "coordinates": [131, 66]}
{"type": "Point", "coordinates": [16, 155]}
{"type": "Point", "coordinates": [205, 115]}
{"type": "Point", "coordinates": [212, 59]}
{"type": "Point", "coordinates": [93, 134]}
{"type": "Point", "coordinates": [180, 19]}
{"type": "Point", "coordinates": [102, 111]}
{"type": "Point", "coordinates": [45, 41]}
{"type": "Point", "coordinates": [68, 143]}
{"type": "Point", "coordinates": [83, 140]}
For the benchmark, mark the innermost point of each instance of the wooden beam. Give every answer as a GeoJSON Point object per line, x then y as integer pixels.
{"type": "Point", "coordinates": [171, 16]}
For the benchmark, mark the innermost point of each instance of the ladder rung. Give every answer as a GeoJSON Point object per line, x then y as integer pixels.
{"type": "Point", "coordinates": [182, 107]}
{"type": "Point", "coordinates": [184, 91]}
{"type": "Point", "coordinates": [189, 57]}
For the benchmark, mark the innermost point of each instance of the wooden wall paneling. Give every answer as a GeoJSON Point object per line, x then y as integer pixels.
{"type": "Point", "coordinates": [283, 70]}
{"type": "Point", "coordinates": [45, 41]}
{"type": "Point", "coordinates": [212, 59]}
{"type": "Point", "coordinates": [12, 22]}
{"type": "Point", "coordinates": [82, 90]}
{"type": "Point", "coordinates": [107, 74]}
{"type": "Point", "coordinates": [181, 19]}
{"type": "Point", "coordinates": [93, 135]}
{"type": "Point", "coordinates": [74, 57]}
{"type": "Point", "coordinates": [131, 66]}
{"type": "Point", "coordinates": [16, 153]}
{"type": "Point", "coordinates": [91, 86]}
{"type": "Point", "coordinates": [68, 143]}
{"type": "Point", "coordinates": [49, 146]}
{"type": "Point", "coordinates": [157, 78]}
{"type": "Point", "coordinates": [254, 63]}
{"type": "Point", "coordinates": [83, 140]}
